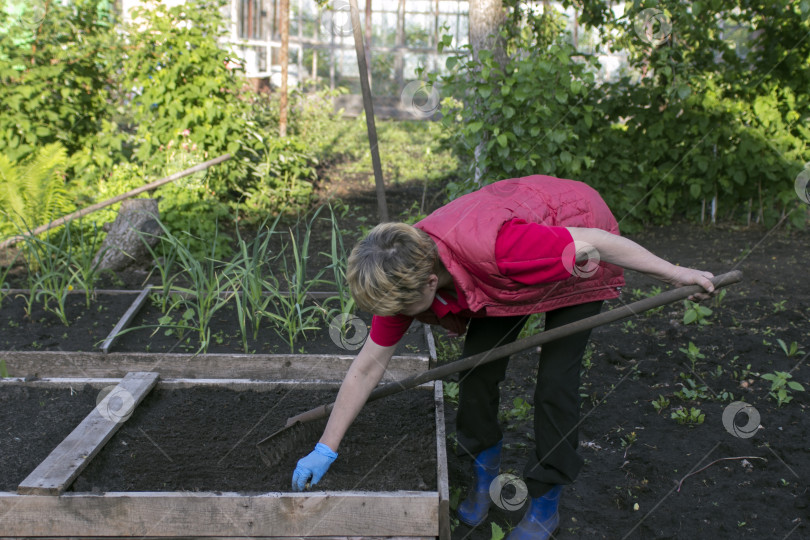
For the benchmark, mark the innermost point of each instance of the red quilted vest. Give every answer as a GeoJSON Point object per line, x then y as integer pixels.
{"type": "Point", "coordinates": [465, 231]}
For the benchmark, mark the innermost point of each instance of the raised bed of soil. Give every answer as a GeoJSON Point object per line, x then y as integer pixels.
{"type": "Point", "coordinates": [205, 440]}
{"type": "Point", "coordinates": [34, 421]}
{"type": "Point", "coordinates": [43, 331]}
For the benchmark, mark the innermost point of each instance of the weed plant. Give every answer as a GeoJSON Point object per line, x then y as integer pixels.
{"type": "Point", "coordinates": [791, 350]}
{"type": "Point", "coordinates": [690, 417]}
{"type": "Point", "coordinates": [781, 386]}
{"type": "Point", "coordinates": [695, 313]}
{"type": "Point", "coordinates": [693, 353]}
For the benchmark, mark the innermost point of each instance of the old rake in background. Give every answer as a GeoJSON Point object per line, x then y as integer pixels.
{"type": "Point", "coordinates": [304, 427]}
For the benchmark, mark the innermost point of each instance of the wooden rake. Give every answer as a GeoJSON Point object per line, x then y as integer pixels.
{"type": "Point", "coordinates": [304, 427]}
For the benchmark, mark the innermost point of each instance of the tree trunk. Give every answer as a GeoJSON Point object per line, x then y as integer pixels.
{"type": "Point", "coordinates": [486, 19]}
{"type": "Point", "coordinates": [136, 223]}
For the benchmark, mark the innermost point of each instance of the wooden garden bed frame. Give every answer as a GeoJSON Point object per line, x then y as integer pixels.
{"type": "Point", "coordinates": [284, 367]}
{"type": "Point", "coordinates": [41, 508]}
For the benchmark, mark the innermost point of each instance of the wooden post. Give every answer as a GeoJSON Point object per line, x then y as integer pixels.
{"type": "Point", "coordinates": [368, 42]}
{"type": "Point", "coordinates": [284, 27]}
{"type": "Point", "coordinates": [399, 62]}
{"type": "Point", "coordinates": [315, 54]}
{"type": "Point", "coordinates": [301, 42]}
{"type": "Point", "coordinates": [369, 108]}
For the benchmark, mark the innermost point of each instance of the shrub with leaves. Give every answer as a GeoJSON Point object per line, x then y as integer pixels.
{"type": "Point", "coordinates": [56, 65]}
{"type": "Point", "coordinates": [183, 79]}
{"type": "Point", "coordinates": [688, 125]}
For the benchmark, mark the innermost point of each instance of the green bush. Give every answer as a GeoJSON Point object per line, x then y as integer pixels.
{"type": "Point", "coordinates": [55, 69]}
{"type": "Point", "coordinates": [184, 80]}
{"type": "Point", "coordinates": [283, 181]}
{"type": "Point", "coordinates": [690, 123]}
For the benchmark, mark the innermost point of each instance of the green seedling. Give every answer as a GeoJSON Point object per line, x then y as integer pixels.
{"type": "Point", "coordinates": [744, 373]}
{"type": "Point", "coordinates": [791, 350]}
{"type": "Point", "coordinates": [695, 313]}
{"type": "Point", "coordinates": [451, 392]}
{"type": "Point", "coordinates": [629, 439]}
{"type": "Point", "coordinates": [779, 306]}
{"type": "Point", "coordinates": [693, 353]}
{"type": "Point", "coordinates": [587, 358]}
{"type": "Point", "coordinates": [718, 300]}
{"type": "Point", "coordinates": [497, 532]}
{"type": "Point", "coordinates": [690, 417]}
{"type": "Point", "coordinates": [186, 322]}
{"type": "Point", "coordinates": [781, 386]}
{"type": "Point", "coordinates": [690, 391]}
{"type": "Point", "coordinates": [521, 410]}
{"type": "Point", "coordinates": [3, 369]}
{"type": "Point", "coordinates": [725, 395]}
{"type": "Point", "coordinates": [660, 404]}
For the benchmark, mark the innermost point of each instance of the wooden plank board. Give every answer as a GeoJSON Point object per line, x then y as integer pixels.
{"type": "Point", "coordinates": [314, 295]}
{"type": "Point", "coordinates": [431, 343]}
{"type": "Point", "coordinates": [184, 514]}
{"type": "Point", "coordinates": [229, 538]}
{"type": "Point", "coordinates": [178, 384]}
{"type": "Point", "coordinates": [182, 365]}
{"type": "Point", "coordinates": [67, 460]}
{"type": "Point", "coordinates": [125, 319]}
{"type": "Point", "coordinates": [442, 480]}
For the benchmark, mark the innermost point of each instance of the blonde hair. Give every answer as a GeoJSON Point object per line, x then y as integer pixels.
{"type": "Point", "coordinates": [389, 268]}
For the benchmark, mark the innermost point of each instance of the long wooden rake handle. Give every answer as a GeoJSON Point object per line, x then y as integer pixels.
{"type": "Point", "coordinates": [497, 353]}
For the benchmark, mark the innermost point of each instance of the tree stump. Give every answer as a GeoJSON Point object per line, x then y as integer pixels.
{"type": "Point", "coordinates": [136, 223]}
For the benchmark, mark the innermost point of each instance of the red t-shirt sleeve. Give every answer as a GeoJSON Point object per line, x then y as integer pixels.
{"type": "Point", "coordinates": [387, 331]}
{"type": "Point", "coordinates": [531, 253]}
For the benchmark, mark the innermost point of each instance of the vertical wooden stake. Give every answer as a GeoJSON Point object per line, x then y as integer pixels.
{"type": "Point", "coordinates": [369, 108]}
{"type": "Point", "coordinates": [284, 29]}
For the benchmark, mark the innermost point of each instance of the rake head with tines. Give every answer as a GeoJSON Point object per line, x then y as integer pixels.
{"type": "Point", "coordinates": [296, 433]}
{"type": "Point", "coordinates": [303, 428]}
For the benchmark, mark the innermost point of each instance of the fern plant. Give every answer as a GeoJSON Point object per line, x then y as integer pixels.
{"type": "Point", "coordinates": [32, 192]}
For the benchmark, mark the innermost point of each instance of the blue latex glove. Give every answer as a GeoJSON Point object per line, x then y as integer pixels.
{"type": "Point", "coordinates": [313, 466]}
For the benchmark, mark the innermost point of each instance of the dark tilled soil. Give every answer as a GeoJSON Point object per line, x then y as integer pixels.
{"type": "Point", "coordinates": [633, 363]}
{"type": "Point", "coordinates": [89, 327]}
{"type": "Point", "coordinates": [204, 440]}
{"type": "Point", "coordinates": [147, 334]}
{"type": "Point", "coordinates": [44, 331]}
{"type": "Point", "coordinates": [33, 422]}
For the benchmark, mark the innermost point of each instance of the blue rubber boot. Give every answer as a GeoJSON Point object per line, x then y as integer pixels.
{"type": "Point", "coordinates": [473, 511]}
{"type": "Point", "coordinates": [541, 519]}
